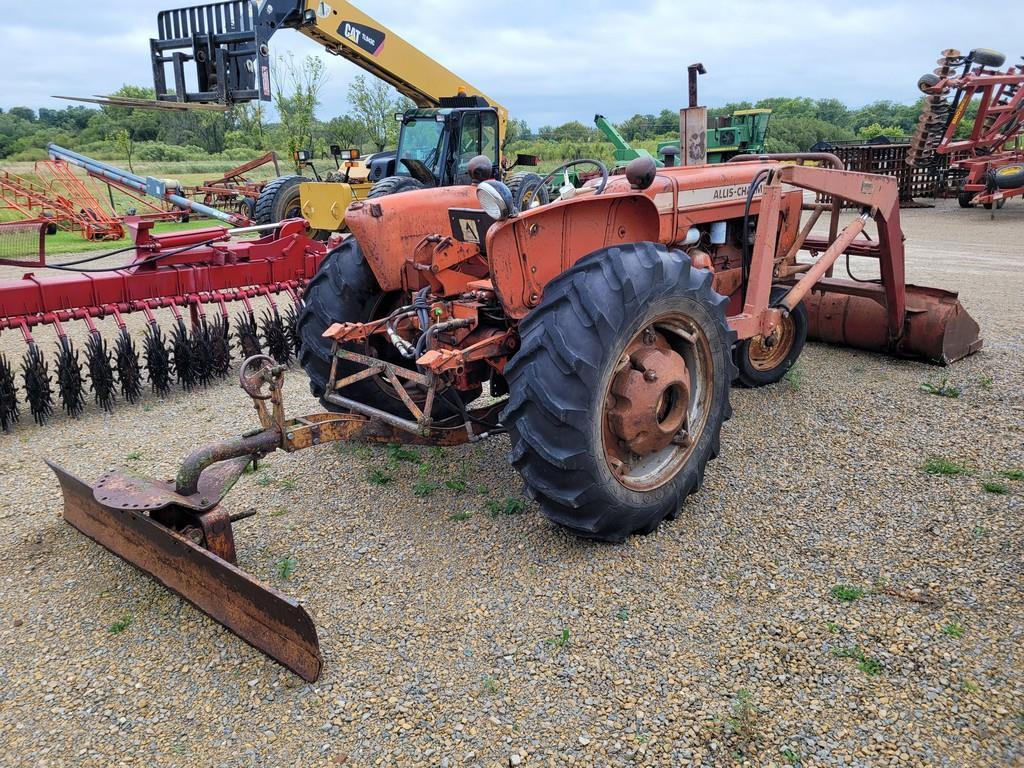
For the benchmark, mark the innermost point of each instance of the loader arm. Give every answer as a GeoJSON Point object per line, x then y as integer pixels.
{"type": "Point", "coordinates": [227, 43]}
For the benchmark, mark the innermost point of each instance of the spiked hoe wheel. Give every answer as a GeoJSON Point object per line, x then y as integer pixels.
{"type": "Point", "coordinates": [158, 359]}
{"type": "Point", "coordinates": [8, 396]}
{"type": "Point", "coordinates": [70, 383]}
{"type": "Point", "coordinates": [129, 370]}
{"type": "Point", "coordinates": [38, 390]}
{"type": "Point", "coordinates": [620, 389]}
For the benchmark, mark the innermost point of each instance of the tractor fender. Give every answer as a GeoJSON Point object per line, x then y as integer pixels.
{"type": "Point", "coordinates": [389, 229]}
{"type": "Point", "coordinates": [527, 252]}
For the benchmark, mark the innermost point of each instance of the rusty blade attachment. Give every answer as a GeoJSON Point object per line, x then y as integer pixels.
{"type": "Point", "coordinates": [936, 327]}
{"type": "Point", "coordinates": [186, 543]}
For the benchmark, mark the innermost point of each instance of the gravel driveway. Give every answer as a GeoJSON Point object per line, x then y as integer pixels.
{"type": "Point", "coordinates": [823, 601]}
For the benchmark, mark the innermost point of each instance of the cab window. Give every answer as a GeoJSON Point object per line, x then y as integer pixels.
{"type": "Point", "coordinates": [479, 137]}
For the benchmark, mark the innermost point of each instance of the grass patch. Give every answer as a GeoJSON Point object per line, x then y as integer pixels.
{"type": "Point", "coordinates": [285, 567]}
{"type": "Point", "coordinates": [134, 456]}
{"type": "Point", "coordinates": [279, 511]}
{"type": "Point", "coordinates": [845, 593]}
{"type": "Point", "coordinates": [561, 640]}
{"type": "Point", "coordinates": [868, 665]}
{"type": "Point", "coordinates": [1013, 474]}
{"type": "Point", "coordinates": [379, 477]}
{"type": "Point", "coordinates": [833, 628]}
{"type": "Point", "coordinates": [969, 686]}
{"type": "Point", "coordinates": [744, 719]}
{"type": "Point", "coordinates": [288, 484]}
{"type": "Point", "coordinates": [120, 625]}
{"type": "Point", "coordinates": [458, 517]}
{"type": "Point", "coordinates": [986, 382]}
{"type": "Point", "coordinates": [423, 488]}
{"type": "Point", "coordinates": [490, 685]}
{"type": "Point", "coordinates": [992, 486]}
{"type": "Point", "coordinates": [790, 755]}
{"type": "Point", "coordinates": [622, 614]}
{"type": "Point", "coordinates": [510, 505]}
{"type": "Point", "coordinates": [459, 486]}
{"type": "Point", "coordinates": [397, 453]}
{"type": "Point", "coordinates": [936, 465]}
{"type": "Point", "coordinates": [941, 389]}
{"type": "Point", "coordinates": [953, 629]}
{"type": "Point", "coordinates": [794, 376]}
{"type": "Point", "coordinates": [264, 480]}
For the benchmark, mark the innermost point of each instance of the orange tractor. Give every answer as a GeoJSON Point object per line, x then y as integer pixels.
{"type": "Point", "coordinates": [605, 329]}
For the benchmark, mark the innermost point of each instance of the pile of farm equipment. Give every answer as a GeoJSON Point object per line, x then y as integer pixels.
{"type": "Point", "coordinates": [989, 160]}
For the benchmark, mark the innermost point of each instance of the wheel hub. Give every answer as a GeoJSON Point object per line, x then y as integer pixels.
{"type": "Point", "coordinates": [651, 397]}
{"type": "Point", "coordinates": [767, 352]}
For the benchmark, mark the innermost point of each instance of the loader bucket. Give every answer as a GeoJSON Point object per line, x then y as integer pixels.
{"type": "Point", "coordinates": [936, 327]}
{"type": "Point", "coordinates": [265, 618]}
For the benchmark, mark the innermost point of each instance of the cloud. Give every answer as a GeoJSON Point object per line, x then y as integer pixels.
{"type": "Point", "coordinates": [550, 62]}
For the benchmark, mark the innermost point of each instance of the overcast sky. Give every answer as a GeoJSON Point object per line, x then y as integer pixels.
{"type": "Point", "coordinates": [550, 61]}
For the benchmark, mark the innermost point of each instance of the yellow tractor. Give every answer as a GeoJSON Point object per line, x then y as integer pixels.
{"type": "Point", "coordinates": [227, 42]}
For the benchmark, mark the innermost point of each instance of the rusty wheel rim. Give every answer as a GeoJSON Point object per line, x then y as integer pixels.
{"type": "Point", "coordinates": [768, 353]}
{"type": "Point", "coordinates": [651, 425]}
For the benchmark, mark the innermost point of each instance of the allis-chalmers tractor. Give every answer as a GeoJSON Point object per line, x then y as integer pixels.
{"type": "Point", "coordinates": [605, 331]}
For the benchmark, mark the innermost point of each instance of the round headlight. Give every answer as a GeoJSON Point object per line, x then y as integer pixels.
{"type": "Point", "coordinates": [495, 198]}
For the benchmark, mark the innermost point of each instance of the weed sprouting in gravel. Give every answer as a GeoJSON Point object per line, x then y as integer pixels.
{"type": "Point", "coordinates": [379, 477]}
{"type": "Point", "coordinates": [868, 665]}
{"type": "Point", "coordinates": [288, 484]}
{"type": "Point", "coordinates": [845, 593]}
{"type": "Point", "coordinates": [359, 451]}
{"type": "Point", "coordinates": [985, 382]}
{"type": "Point", "coordinates": [120, 625]}
{"type": "Point", "coordinates": [264, 480]}
{"type": "Point", "coordinates": [993, 486]}
{"type": "Point", "coordinates": [936, 465]}
{"type": "Point", "coordinates": [794, 376]}
{"type": "Point", "coordinates": [454, 484]}
{"type": "Point", "coordinates": [790, 755]}
{"type": "Point", "coordinates": [423, 488]}
{"type": "Point", "coordinates": [833, 628]}
{"type": "Point", "coordinates": [559, 641]}
{"type": "Point", "coordinates": [458, 517]}
{"type": "Point", "coordinates": [249, 468]}
{"type": "Point", "coordinates": [285, 567]}
{"type": "Point", "coordinates": [397, 453]}
{"type": "Point", "coordinates": [508, 506]}
{"type": "Point", "coordinates": [482, 489]}
{"type": "Point", "coordinates": [279, 511]}
{"type": "Point", "coordinates": [134, 456]}
{"type": "Point", "coordinates": [1013, 474]}
{"type": "Point", "coordinates": [1019, 721]}
{"type": "Point", "coordinates": [490, 685]}
{"type": "Point", "coordinates": [969, 686]}
{"type": "Point", "coordinates": [941, 389]}
{"type": "Point", "coordinates": [953, 629]}
{"type": "Point", "coordinates": [622, 614]}
{"type": "Point", "coordinates": [743, 721]}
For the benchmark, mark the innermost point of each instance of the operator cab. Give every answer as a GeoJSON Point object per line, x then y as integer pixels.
{"type": "Point", "coordinates": [435, 146]}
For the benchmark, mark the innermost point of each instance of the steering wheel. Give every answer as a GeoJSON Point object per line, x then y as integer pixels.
{"type": "Point", "coordinates": [585, 161]}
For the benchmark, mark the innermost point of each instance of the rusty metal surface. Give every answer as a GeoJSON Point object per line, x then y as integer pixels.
{"type": "Point", "coordinates": [265, 618]}
{"type": "Point", "coordinates": [127, 490]}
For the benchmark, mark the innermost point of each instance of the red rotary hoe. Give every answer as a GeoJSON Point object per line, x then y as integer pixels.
{"type": "Point", "coordinates": [184, 273]}
{"type": "Point", "coordinates": [989, 159]}
{"type": "Point", "coordinates": [607, 329]}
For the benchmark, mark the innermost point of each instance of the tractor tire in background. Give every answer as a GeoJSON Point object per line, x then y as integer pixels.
{"type": "Point", "coordinates": [526, 183]}
{"type": "Point", "coordinates": [1009, 176]}
{"type": "Point", "coordinates": [615, 343]}
{"type": "Point", "coordinates": [964, 199]}
{"type": "Point", "coordinates": [345, 289]}
{"type": "Point", "coordinates": [279, 200]}
{"type": "Point", "coordinates": [760, 363]}
{"type": "Point", "coordinates": [394, 185]}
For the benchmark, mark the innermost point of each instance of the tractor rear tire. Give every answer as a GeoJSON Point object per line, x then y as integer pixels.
{"type": "Point", "coordinates": [394, 185]}
{"type": "Point", "coordinates": [528, 183]}
{"type": "Point", "coordinates": [576, 346]}
{"type": "Point", "coordinates": [345, 289]}
{"type": "Point", "coordinates": [1009, 176]}
{"type": "Point", "coordinates": [279, 200]}
{"type": "Point", "coordinates": [759, 364]}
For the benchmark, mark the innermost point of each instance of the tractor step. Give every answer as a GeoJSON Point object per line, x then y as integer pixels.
{"type": "Point", "coordinates": [265, 618]}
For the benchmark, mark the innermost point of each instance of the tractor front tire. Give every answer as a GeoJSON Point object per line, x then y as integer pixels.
{"type": "Point", "coordinates": [394, 185]}
{"type": "Point", "coordinates": [964, 199]}
{"type": "Point", "coordinates": [624, 326]}
{"type": "Point", "coordinates": [279, 200]}
{"type": "Point", "coordinates": [763, 361]}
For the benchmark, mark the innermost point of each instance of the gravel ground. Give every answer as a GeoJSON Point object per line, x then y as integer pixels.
{"type": "Point", "coordinates": [457, 637]}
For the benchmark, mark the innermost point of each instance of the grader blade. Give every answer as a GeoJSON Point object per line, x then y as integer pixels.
{"type": "Point", "coordinates": [162, 544]}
